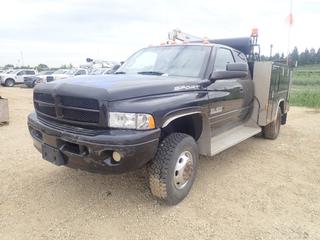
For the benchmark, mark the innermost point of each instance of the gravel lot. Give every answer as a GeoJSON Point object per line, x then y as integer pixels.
{"type": "Point", "coordinates": [259, 189]}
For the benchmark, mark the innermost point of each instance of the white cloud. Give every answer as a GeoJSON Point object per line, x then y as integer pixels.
{"type": "Point", "coordinates": [57, 32]}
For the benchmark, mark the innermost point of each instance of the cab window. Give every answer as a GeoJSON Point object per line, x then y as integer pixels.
{"type": "Point", "coordinates": [29, 72]}
{"type": "Point", "coordinates": [223, 57]}
{"type": "Point", "coordinates": [81, 72]}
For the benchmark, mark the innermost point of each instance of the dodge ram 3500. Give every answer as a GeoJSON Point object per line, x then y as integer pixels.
{"type": "Point", "coordinates": [164, 107]}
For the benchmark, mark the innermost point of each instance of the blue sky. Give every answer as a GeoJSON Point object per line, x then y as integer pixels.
{"type": "Point", "coordinates": [57, 32]}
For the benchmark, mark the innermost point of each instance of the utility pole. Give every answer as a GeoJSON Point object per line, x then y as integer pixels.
{"type": "Point", "coordinates": [21, 56]}
{"type": "Point", "coordinates": [271, 46]}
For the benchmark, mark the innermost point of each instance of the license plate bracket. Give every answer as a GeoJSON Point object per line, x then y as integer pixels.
{"type": "Point", "coordinates": [52, 155]}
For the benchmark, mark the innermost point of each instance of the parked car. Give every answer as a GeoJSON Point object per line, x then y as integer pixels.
{"type": "Point", "coordinates": [16, 77]}
{"type": "Point", "coordinates": [102, 71]}
{"type": "Point", "coordinates": [41, 77]}
{"type": "Point", "coordinates": [66, 73]}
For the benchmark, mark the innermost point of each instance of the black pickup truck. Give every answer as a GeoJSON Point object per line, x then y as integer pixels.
{"type": "Point", "coordinates": [162, 108]}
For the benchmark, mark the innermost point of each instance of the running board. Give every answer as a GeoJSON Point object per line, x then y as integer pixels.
{"type": "Point", "coordinates": [232, 137]}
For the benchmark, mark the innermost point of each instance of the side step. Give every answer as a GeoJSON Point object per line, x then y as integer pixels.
{"type": "Point", "coordinates": [232, 137]}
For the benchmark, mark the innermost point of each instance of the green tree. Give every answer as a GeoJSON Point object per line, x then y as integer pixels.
{"type": "Point", "coordinates": [294, 56]}
{"type": "Point", "coordinates": [318, 56]}
{"type": "Point", "coordinates": [9, 66]}
{"type": "Point", "coordinates": [65, 66]}
{"type": "Point", "coordinates": [42, 67]}
{"type": "Point", "coordinates": [307, 57]}
{"type": "Point", "coordinates": [276, 57]}
{"type": "Point", "coordinates": [313, 58]}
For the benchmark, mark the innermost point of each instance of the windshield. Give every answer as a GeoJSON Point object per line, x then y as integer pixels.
{"type": "Point", "coordinates": [45, 73]}
{"type": "Point", "coordinates": [61, 71]}
{"type": "Point", "coordinates": [179, 60]}
{"type": "Point", "coordinates": [98, 71]}
{"type": "Point", "coordinates": [71, 72]}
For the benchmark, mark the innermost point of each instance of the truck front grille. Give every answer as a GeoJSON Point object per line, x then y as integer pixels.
{"type": "Point", "coordinates": [68, 109]}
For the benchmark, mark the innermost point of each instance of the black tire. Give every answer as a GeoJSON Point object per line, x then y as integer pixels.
{"type": "Point", "coordinates": [9, 82]}
{"type": "Point", "coordinates": [33, 84]}
{"type": "Point", "coordinates": [163, 173]}
{"type": "Point", "coordinates": [272, 130]}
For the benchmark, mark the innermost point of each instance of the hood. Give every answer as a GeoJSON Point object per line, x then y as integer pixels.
{"type": "Point", "coordinates": [122, 86]}
{"type": "Point", "coordinates": [60, 76]}
{"type": "Point", "coordinates": [8, 75]}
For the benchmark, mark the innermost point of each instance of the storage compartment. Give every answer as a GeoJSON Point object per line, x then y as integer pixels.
{"type": "Point", "coordinates": [271, 85]}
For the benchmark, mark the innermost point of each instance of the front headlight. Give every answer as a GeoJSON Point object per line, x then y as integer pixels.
{"type": "Point", "coordinates": [139, 121]}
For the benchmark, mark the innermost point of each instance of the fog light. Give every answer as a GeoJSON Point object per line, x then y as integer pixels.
{"type": "Point", "coordinates": [116, 156]}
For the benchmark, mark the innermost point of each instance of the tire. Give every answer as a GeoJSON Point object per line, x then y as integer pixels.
{"type": "Point", "coordinates": [9, 82]}
{"type": "Point", "coordinates": [173, 170]}
{"type": "Point", "coordinates": [272, 130]}
{"type": "Point", "coordinates": [33, 84]}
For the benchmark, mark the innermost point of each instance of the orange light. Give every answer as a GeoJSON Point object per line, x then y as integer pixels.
{"type": "Point", "coordinates": [151, 122]}
{"type": "Point", "coordinates": [163, 43]}
{"type": "Point", "coordinates": [254, 32]}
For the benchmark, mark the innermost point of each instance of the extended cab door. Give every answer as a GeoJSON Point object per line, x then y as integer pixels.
{"type": "Point", "coordinates": [228, 104]}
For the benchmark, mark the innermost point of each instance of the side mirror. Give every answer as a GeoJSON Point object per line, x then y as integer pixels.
{"type": "Point", "coordinates": [233, 70]}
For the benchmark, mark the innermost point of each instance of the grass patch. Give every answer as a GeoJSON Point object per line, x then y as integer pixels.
{"type": "Point", "coordinates": [314, 67]}
{"type": "Point", "coordinates": [305, 90]}
{"type": "Point", "coordinates": [305, 96]}
{"type": "Point", "coordinates": [306, 78]}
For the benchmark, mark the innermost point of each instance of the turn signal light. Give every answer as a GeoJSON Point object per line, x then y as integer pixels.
{"type": "Point", "coordinates": [254, 32]}
{"type": "Point", "coordinates": [205, 41]}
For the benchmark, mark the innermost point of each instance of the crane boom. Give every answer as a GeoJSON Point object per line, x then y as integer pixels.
{"type": "Point", "coordinates": [177, 34]}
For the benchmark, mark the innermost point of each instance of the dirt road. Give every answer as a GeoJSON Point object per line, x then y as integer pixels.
{"type": "Point", "coordinates": [259, 189]}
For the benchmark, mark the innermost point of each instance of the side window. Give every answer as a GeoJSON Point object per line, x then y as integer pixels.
{"type": "Point", "coordinates": [239, 57]}
{"type": "Point", "coordinates": [21, 73]}
{"type": "Point", "coordinates": [81, 72]}
{"type": "Point", "coordinates": [28, 72]}
{"type": "Point", "coordinates": [223, 57]}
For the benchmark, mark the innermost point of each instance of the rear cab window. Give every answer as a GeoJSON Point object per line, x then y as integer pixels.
{"type": "Point", "coordinates": [239, 57]}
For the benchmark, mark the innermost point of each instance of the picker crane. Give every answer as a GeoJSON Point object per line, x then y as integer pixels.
{"type": "Point", "coordinates": [177, 34]}
{"type": "Point", "coordinates": [247, 45]}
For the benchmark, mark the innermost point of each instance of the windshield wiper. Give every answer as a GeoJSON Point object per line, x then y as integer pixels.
{"type": "Point", "coordinates": [120, 72]}
{"type": "Point", "coordinates": [151, 73]}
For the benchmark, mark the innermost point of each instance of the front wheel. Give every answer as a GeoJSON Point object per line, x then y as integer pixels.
{"type": "Point", "coordinates": [173, 170]}
{"type": "Point", "coordinates": [9, 83]}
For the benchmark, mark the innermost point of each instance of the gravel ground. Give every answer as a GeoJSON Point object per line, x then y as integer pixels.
{"type": "Point", "coordinates": [259, 189]}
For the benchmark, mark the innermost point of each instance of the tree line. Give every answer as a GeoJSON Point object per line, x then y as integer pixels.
{"type": "Point", "coordinates": [307, 57]}
{"type": "Point", "coordinates": [40, 67]}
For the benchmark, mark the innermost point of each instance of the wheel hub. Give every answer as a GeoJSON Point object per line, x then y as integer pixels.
{"type": "Point", "coordinates": [183, 170]}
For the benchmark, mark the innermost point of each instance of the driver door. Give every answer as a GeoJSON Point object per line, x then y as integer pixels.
{"type": "Point", "coordinates": [19, 77]}
{"type": "Point", "coordinates": [225, 96]}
